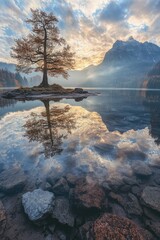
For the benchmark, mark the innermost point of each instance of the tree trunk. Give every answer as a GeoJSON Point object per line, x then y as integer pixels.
{"type": "Point", "coordinates": [44, 82]}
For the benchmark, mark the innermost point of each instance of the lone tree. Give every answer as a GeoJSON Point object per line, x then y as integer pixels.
{"type": "Point", "coordinates": [43, 49]}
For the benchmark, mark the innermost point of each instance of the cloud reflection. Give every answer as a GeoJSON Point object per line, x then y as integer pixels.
{"type": "Point", "coordinates": [89, 147]}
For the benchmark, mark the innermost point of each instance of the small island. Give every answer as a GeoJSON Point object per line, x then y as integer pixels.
{"type": "Point", "coordinates": [54, 91]}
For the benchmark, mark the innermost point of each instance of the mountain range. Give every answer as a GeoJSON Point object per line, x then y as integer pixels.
{"type": "Point", "coordinates": [125, 65]}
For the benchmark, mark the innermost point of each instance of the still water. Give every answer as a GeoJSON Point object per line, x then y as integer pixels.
{"type": "Point", "coordinates": [102, 135]}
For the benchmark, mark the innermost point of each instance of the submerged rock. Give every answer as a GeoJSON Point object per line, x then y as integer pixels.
{"type": "Point", "coordinates": [154, 227]}
{"type": "Point", "coordinates": [62, 212]}
{"type": "Point", "coordinates": [2, 219]}
{"type": "Point", "coordinates": [61, 187]}
{"type": "Point", "coordinates": [133, 206]}
{"type": "Point", "coordinates": [88, 195]}
{"type": "Point", "coordinates": [38, 204]}
{"type": "Point", "coordinates": [12, 180]}
{"type": "Point", "coordinates": [118, 210]}
{"type": "Point", "coordinates": [141, 169]}
{"type": "Point", "coordinates": [151, 197]}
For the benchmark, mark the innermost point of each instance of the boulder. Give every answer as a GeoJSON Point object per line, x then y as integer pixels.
{"type": "Point", "coordinates": [61, 187]}
{"type": "Point", "coordinates": [154, 227]}
{"type": "Point", "coordinates": [157, 178]}
{"type": "Point", "coordinates": [88, 195]}
{"type": "Point", "coordinates": [130, 181]}
{"type": "Point", "coordinates": [71, 179]}
{"type": "Point", "coordinates": [85, 232]}
{"type": "Point", "coordinates": [38, 204]}
{"type": "Point", "coordinates": [115, 183]}
{"type": "Point", "coordinates": [117, 198]}
{"type": "Point", "coordinates": [118, 210]}
{"type": "Point", "coordinates": [141, 169]}
{"type": "Point", "coordinates": [109, 227]}
{"type": "Point", "coordinates": [78, 90]}
{"type": "Point", "coordinates": [136, 190]}
{"type": "Point", "coordinates": [2, 219]}
{"type": "Point", "coordinates": [62, 211]}
{"type": "Point", "coordinates": [12, 180]}
{"type": "Point", "coordinates": [151, 197]}
{"type": "Point", "coordinates": [133, 207]}
{"type": "Point", "coordinates": [114, 227]}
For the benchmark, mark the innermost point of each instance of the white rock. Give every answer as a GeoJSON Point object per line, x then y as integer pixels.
{"type": "Point", "coordinates": [37, 204]}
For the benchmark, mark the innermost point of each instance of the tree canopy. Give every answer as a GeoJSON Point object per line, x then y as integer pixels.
{"type": "Point", "coordinates": [43, 50]}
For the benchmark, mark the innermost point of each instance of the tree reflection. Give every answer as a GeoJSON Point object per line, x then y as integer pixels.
{"type": "Point", "coordinates": [50, 127]}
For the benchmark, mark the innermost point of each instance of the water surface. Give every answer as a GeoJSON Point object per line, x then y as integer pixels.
{"type": "Point", "coordinates": [100, 135]}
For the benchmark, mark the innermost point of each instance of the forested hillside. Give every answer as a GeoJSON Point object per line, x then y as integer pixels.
{"type": "Point", "coordinates": [9, 79]}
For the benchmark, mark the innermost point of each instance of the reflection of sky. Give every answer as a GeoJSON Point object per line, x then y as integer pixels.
{"type": "Point", "coordinates": [89, 148]}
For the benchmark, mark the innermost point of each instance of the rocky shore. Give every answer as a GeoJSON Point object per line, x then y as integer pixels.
{"type": "Point", "coordinates": [79, 207]}
{"type": "Point", "coordinates": [51, 92]}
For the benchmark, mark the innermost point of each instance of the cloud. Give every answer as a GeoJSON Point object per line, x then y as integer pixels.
{"type": "Point", "coordinates": [90, 27]}
{"type": "Point", "coordinates": [115, 11]}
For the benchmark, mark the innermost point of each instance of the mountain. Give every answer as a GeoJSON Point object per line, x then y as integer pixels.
{"type": "Point", "coordinates": [154, 77]}
{"type": "Point", "coordinates": [132, 51]}
{"type": "Point", "coordinates": [126, 64]}
{"type": "Point", "coordinates": [8, 66]}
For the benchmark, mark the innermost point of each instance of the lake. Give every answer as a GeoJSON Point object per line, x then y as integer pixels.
{"type": "Point", "coordinates": [112, 140]}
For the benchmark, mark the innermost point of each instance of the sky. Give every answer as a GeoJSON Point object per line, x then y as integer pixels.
{"type": "Point", "coordinates": [89, 26]}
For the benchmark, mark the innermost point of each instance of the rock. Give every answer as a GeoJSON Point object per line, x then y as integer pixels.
{"type": "Point", "coordinates": [151, 197]}
{"type": "Point", "coordinates": [130, 181]}
{"type": "Point", "coordinates": [147, 235]}
{"type": "Point", "coordinates": [151, 214]}
{"type": "Point", "coordinates": [2, 219]}
{"type": "Point", "coordinates": [117, 198]}
{"type": "Point", "coordinates": [38, 204]}
{"type": "Point", "coordinates": [133, 206]}
{"type": "Point", "coordinates": [136, 191]}
{"type": "Point", "coordinates": [78, 90]}
{"type": "Point", "coordinates": [48, 186]}
{"type": "Point", "coordinates": [71, 179]}
{"type": "Point", "coordinates": [61, 235]}
{"type": "Point", "coordinates": [157, 179]}
{"type": "Point", "coordinates": [51, 227]}
{"type": "Point", "coordinates": [114, 227]}
{"type": "Point", "coordinates": [62, 212]}
{"type": "Point", "coordinates": [115, 183]}
{"type": "Point", "coordinates": [53, 177]}
{"type": "Point", "coordinates": [110, 227]}
{"type": "Point", "coordinates": [88, 195]}
{"type": "Point", "coordinates": [141, 169]}
{"type": "Point", "coordinates": [106, 186]}
{"type": "Point", "coordinates": [154, 227]}
{"type": "Point", "coordinates": [1, 167]}
{"type": "Point", "coordinates": [12, 181]}
{"type": "Point", "coordinates": [125, 188]}
{"type": "Point", "coordinates": [118, 210]}
{"type": "Point", "coordinates": [86, 232]}
{"type": "Point", "coordinates": [61, 187]}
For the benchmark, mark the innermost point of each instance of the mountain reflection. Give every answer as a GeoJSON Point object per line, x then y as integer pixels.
{"type": "Point", "coordinates": [153, 103]}
{"type": "Point", "coordinates": [50, 127]}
